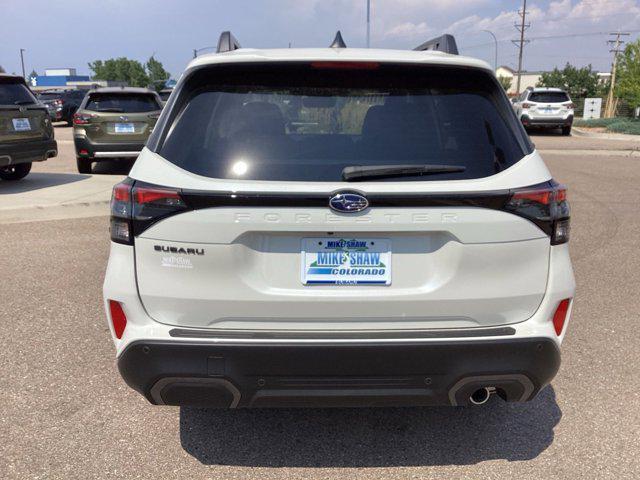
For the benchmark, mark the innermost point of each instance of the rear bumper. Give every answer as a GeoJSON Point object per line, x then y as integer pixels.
{"type": "Point", "coordinates": [555, 122]}
{"type": "Point", "coordinates": [27, 152]}
{"type": "Point", "coordinates": [312, 375]}
{"type": "Point", "coordinates": [101, 151]}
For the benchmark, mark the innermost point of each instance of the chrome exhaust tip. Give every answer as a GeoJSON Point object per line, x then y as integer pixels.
{"type": "Point", "coordinates": [481, 396]}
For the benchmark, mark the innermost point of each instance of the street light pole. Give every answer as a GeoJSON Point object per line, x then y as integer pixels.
{"type": "Point", "coordinates": [368, 23]}
{"type": "Point", "coordinates": [22, 50]}
{"type": "Point", "coordinates": [495, 41]}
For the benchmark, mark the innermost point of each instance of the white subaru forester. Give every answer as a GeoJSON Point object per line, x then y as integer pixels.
{"type": "Point", "coordinates": [337, 227]}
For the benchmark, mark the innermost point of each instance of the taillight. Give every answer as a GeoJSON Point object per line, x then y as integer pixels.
{"type": "Point", "coordinates": [547, 207]}
{"type": "Point", "coordinates": [134, 208]}
{"type": "Point", "coordinates": [58, 103]}
{"type": "Point", "coordinates": [118, 318]}
{"type": "Point", "coordinates": [571, 106]}
{"type": "Point", "coordinates": [82, 118]}
{"type": "Point", "coordinates": [560, 316]}
{"type": "Point", "coordinates": [121, 213]}
{"type": "Point", "coordinates": [526, 106]}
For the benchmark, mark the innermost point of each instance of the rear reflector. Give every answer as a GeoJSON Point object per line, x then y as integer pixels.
{"type": "Point", "coordinates": [561, 315]}
{"type": "Point", "coordinates": [118, 318]}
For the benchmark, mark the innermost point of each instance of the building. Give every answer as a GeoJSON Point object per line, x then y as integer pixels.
{"type": "Point", "coordinates": [527, 79]}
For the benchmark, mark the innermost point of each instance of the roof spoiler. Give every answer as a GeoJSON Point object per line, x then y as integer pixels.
{"type": "Point", "coordinates": [445, 43]}
{"type": "Point", "coordinates": [227, 42]}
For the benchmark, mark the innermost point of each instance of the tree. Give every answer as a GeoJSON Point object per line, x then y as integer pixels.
{"type": "Point", "coordinates": [120, 69]}
{"type": "Point", "coordinates": [2, 69]}
{"type": "Point", "coordinates": [628, 74]}
{"type": "Point", "coordinates": [157, 74]}
{"type": "Point", "coordinates": [578, 82]}
{"type": "Point", "coordinates": [505, 82]}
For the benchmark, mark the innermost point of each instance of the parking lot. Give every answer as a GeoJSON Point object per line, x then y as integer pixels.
{"type": "Point", "coordinates": [66, 413]}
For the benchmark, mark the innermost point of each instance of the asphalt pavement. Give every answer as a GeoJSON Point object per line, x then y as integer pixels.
{"type": "Point", "coordinates": [65, 412]}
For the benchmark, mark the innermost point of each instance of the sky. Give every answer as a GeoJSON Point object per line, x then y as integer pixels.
{"type": "Point", "coordinates": [71, 33]}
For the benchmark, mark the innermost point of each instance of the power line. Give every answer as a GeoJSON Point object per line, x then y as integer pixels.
{"type": "Point", "coordinates": [522, 42]}
{"type": "Point", "coordinates": [546, 37]}
{"type": "Point", "coordinates": [610, 109]}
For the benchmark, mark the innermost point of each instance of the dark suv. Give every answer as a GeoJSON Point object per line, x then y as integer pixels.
{"type": "Point", "coordinates": [26, 133]}
{"type": "Point", "coordinates": [62, 104]}
{"type": "Point", "coordinates": [113, 123]}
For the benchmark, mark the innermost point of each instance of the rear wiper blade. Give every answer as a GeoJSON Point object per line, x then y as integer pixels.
{"type": "Point", "coordinates": [355, 173]}
{"type": "Point", "coordinates": [24, 102]}
{"type": "Point", "coordinates": [114, 110]}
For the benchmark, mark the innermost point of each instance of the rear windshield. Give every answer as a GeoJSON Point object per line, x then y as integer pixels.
{"type": "Point", "coordinates": [15, 94]}
{"type": "Point", "coordinates": [549, 97]}
{"type": "Point", "coordinates": [310, 122]}
{"type": "Point", "coordinates": [164, 96]}
{"type": "Point", "coordinates": [122, 103]}
{"type": "Point", "coordinates": [48, 96]}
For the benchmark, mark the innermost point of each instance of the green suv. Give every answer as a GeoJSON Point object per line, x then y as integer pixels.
{"type": "Point", "coordinates": [113, 123]}
{"type": "Point", "coordinates": [26, 133]}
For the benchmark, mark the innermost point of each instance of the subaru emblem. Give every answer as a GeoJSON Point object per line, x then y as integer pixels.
{"type": "Point", "coordinates": [348, 202]}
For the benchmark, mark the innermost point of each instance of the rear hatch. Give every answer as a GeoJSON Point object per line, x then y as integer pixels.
{"type": "Point", "coordinates": [22, 118]}
{"type": "Point", "coordinates": [119, 118]}
{"type": "Point", "coordinates": [258, 239]}
{"type": "Point", "coordinates": [549, 103]}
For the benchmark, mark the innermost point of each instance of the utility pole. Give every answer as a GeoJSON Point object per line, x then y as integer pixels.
{"type": "Point", "coordinates": [22, 50]}
{"type": "Point", "coordinates": [610, 109]}
{"type": "Point", "coordinates": [368, 23]}
{"type": "Point", "coordinates": [522, 42]}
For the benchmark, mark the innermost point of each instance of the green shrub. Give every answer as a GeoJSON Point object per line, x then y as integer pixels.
{"type": "Point", "coordinates": [596, 122]}
{"type": "Point", "coordinates": [628, 126]}
{"type": "Point", "coordinates": [617, 125]}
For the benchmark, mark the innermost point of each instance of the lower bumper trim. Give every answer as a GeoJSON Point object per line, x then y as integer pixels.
{"type": "Point", "coordinates": [337, 374]}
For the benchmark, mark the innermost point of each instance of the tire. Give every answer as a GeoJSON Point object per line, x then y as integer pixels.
{"type": "Point", "coordinates": [83, 164]}
{"type": "Point", "coordinates": [15, 172]}
{"type": "Point", "coordinates": [566, 131]}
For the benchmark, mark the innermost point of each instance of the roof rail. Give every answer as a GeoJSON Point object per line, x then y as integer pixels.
{"type": "Point", "coordinates": [338, 42]}
{"type": "Point", "coordinates": [227, 42]}
{"type": "Point", "coordinates": [445, 43]}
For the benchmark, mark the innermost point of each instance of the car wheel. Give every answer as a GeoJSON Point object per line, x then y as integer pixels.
{"type": "Point", "coordinates": [83, 164]}
{"type": "Point", "coordinates": [566, 131]}
{"type": "Point", "coordinates": [15, 172]}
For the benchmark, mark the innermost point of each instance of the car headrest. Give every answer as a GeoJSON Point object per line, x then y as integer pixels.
{"type": "Point", "coordinates": [260, 118]}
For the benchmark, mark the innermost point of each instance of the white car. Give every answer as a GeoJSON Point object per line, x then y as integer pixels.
{"type": "Point", "coordinates": [547, 108]}
{"type": "Point", "coordinates": [335, 227]}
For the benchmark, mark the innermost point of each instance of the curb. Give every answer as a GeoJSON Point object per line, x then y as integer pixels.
{"type": "Point", "coordinates": [579, 132]}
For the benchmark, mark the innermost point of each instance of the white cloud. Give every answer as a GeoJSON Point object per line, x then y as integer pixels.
{"type": "Point", "coordinates": [409, 30]}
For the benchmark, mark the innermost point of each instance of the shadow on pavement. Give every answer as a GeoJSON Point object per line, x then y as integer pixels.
{"type": "Point", "coordinates": [112, 167]}
{"type": "Point", "coordinates": [39, 180]}
{"type": "Point", "coordinates": [545, 132]}
{"type": "Point", "coordinates": [371, 437]}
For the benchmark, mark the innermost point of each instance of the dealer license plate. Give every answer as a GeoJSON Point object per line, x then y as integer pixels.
{"type": "Point", "coordinates": [346, 261]}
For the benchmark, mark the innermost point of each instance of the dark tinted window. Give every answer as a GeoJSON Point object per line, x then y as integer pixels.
{"type": "Point", "coordinates": [12, 93]}
{"type": "Point", "coordinates": [122, 103]}
{"type": "Point", "coordinates": [302, 123]}
{"type": "Point", "coordinates": [164, 95]}
{"type": "Point", "coordinates": [549, 97]}
{"type": "Point", "coordinates": [48, 96]}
